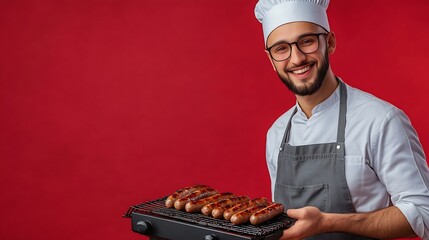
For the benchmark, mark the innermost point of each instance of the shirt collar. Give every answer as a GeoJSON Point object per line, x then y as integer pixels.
{"type": "Point", "coordinates": [330, 101]}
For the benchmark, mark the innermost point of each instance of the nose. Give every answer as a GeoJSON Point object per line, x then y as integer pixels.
{"type": "Point", "coordinates": [296, 56]}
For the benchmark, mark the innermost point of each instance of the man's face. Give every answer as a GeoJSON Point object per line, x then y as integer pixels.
{"type": "Point", "coordinates": [302, 73]}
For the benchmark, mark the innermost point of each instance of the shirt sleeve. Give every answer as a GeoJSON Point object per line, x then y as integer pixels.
{"type": "Point", "coordinates": [400, 163]}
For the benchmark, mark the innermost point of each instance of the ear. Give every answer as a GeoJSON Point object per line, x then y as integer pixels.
{"type": "Point", "coordinates": [332, 43]}
{"type": "Point", "coordinates": [271, 60]}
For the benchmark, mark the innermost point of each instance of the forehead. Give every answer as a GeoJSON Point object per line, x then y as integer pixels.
{"type": "Point", "coordinates": [289, 32]}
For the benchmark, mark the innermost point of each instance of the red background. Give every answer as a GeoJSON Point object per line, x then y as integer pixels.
{"type": "Point", "coordinates": [105, 104]}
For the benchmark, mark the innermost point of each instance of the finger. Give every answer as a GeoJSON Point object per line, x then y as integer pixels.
{"type": "Point", "coordinates": [288, 238]}
{"type": "Point", "coordinates": [294, 213]}
{"type": "Point", "coordinates": [291, 233]}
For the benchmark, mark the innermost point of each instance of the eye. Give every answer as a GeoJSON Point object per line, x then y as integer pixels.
{"type": "Point", "coordinates": [281, 48]}
{"type": "Point", "coordinates": [307, 41]}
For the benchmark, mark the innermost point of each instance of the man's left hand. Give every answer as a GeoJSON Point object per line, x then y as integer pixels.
{"type": "Point", "coordinates": [309, 222]}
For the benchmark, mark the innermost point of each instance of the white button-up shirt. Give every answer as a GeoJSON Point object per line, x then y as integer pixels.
{"type": "Point", "coordinates": [385, 163]}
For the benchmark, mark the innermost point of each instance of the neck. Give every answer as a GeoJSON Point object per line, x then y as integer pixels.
{"type": "Point", "coordinates": [307, 103]}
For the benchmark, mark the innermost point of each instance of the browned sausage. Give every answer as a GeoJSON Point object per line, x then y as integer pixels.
{"type": "Point", "coordinates": [244, 216]}
{"type": "Point", "coordinates": [169, 202]}
{"type": "Point", "coordinates": [196, 205]}
{"type": "Point", "coordinates": [180, 203]}
{"type": "Point", "coordinates": [239, 207]}
{"type": "Point", "coordinates": [219, 210]}
{"type": "Point", "coordinates": [267, 213]}
{"type": "Point", "coordinates": [208, 209]}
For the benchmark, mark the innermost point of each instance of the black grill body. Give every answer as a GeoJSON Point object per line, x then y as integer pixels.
{"type": "Point", "coordinates": [153, 219]}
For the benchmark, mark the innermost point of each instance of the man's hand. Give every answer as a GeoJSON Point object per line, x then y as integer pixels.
{"type": "Point", "coordinates": [381, 224]}
{"type": "Point", "coordinates": [309, 221]}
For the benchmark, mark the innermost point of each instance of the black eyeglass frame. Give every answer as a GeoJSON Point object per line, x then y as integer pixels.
{"type": "Point", "coordinates": [290, 45]}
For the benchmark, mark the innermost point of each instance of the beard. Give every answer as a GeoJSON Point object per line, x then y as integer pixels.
{"type": "Point", "coordinates": [308, 88]}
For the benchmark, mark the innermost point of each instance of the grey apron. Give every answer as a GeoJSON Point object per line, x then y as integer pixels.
{"type": "Point", "coordinates": [314, 175]}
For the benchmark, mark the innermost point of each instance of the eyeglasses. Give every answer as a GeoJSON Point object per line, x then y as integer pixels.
{"type": "Point", "coordinates": [307, 44]}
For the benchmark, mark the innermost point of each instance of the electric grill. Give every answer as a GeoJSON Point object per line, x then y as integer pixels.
{"type": "Point", "coordinates": [153, 219]}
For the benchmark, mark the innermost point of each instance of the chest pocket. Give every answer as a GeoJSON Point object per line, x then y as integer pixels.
{"type": "Point", "coordinates": [297, 197]}
{"type": "Point", "coordinates": [354, 170]}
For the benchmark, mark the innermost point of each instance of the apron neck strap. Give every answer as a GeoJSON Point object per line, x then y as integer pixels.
{"type": "Point", "coordinates": [341, 132]}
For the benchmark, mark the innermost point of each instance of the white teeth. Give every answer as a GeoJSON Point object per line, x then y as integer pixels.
{"type": "Point", "coordinates": [302, 70]}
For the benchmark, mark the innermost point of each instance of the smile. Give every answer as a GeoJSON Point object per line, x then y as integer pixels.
{"type": "Point", "coordinates": [302, 70]}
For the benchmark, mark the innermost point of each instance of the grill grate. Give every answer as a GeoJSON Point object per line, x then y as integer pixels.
{"type": "Point", "coordinates": [158, 207]}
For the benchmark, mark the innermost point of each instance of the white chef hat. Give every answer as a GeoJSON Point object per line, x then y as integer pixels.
{"type": "Point", "coordinates": [273, 13]}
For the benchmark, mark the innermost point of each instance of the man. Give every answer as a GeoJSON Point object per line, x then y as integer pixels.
{"type": "Point", "coordinates": [344, 163]}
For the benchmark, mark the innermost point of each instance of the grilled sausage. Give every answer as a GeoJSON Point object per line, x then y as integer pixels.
{"type": "Point", "coordinates": [169, 202]}
{"type": "Point", "coordinates": [196, 205]}
{"type": "Point", "coordinates": [219, 210]}
{"type": "Point", "coordinates": [244, 216]}
{"type": "Point", "coordinates": [239, 207]}
{"type": "Point", "coordinates": [267, 213]}
{"type": "Point", "coordinates": [208, 209]}
{"type": "Point", "coordinates": [180, 203]}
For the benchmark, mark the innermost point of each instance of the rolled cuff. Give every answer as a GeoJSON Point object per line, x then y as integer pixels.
{"type": "Point", "coordinates": [414, 217]}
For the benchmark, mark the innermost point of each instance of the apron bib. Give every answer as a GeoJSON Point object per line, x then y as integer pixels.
{"type": "Point", "coordinates": [314, 175]}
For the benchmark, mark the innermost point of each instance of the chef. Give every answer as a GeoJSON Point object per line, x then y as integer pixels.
{"type": "Point", "coordinates": [344, 163]}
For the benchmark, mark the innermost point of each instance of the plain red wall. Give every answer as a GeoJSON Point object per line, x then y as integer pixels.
{"type": "Point", "coordinates": [105, 104]}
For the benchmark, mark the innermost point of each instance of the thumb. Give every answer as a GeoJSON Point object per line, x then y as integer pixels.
{"type": "Point", "coordinates": [294, 213]}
